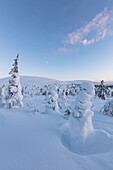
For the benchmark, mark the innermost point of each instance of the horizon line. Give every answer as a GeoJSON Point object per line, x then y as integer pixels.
{"type": "Point", "coordinates": [60, 79]}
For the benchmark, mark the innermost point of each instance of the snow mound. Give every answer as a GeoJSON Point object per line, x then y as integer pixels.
{"type": "Point", "coordinates": [96, 143]}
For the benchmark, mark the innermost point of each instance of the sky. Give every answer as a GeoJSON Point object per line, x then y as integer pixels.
{"type": "Point", "coordinates": [59, 39]}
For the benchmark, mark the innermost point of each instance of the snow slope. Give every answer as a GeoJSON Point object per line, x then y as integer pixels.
{"type": "Point", "coordinates": [40, 81]}
{"type": "Point", "coordinates": [45, 81]}
{"type": "Point", "coordinates": [81, 81]}
{"type": "Point", "coordinates": [36, 142]}
{"type": "Point", "coordinates": [93, 82]}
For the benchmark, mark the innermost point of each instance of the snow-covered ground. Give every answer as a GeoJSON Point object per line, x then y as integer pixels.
{"type": "Point", "coordinates": [45, 81]}
{"type": "Point", "coordinates": [32, 139]}
{"type": "Point", "coordinates": [38, 142]}
{"type": "Point", "coordinates": [29, 80]}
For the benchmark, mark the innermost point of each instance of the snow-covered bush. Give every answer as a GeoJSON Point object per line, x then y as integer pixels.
{"type": "Point", "coordinates": [14, 97]}
{"type": "Point", "coordinates": [31, 107]}
{"type": "Point", "coordinates": [111, 92]}
{"type": "Point", "coordinates": [72, 92]}
{"type": "Point", "coordinates": [37, 91]}
{"type": "Point", "coordinates": [61, 99]}
{"type": "Point", "coordinates": [80, 122]}
{"type": "Point", "coordinates": [51, 99]}
{"type": "Point", "coordinates": [108, 108]}
{"type": "Point", "coordinates": [2, 95]}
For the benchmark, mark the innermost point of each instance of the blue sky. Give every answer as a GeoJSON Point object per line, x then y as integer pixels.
{"type": "Point", "coordinates": [61, 39]}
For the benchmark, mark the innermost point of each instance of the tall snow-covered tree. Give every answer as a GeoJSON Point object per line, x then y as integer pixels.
{"type": "Point", "coordinates": [80, 122]}
{"type": "Point", "coordinates": [52, 99]}
{"type": "Point", "coordinates": [14, 98]}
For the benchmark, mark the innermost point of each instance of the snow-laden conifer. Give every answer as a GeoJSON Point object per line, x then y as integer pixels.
{"type": "Point", "coordinates": [61, 99]}
{"type": "Point", "coordinates": [107, 109]}
{"type": "Point", "coordinates": [2, 95]}
{"type": "Point", "coordinates": [52, 99]}
{"type": "Point", "coordinates": [101, 91]}
{"type": "Point", "coordinates": [80, 122]}
{"type": "Point", "coordinates": [14, 98]}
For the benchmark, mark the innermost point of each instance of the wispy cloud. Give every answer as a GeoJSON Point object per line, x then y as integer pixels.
{"type": "Point", "coordinates": [63, 49]}
{"type": "Point", "coordinates": [96, 30]}
{"type": "Point", "coordinates": [68, 50]}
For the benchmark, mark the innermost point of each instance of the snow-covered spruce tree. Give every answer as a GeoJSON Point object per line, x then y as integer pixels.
{"type": "Point", "coordinates": [2, 95]}
{"type": "Point", "coordinates": [51, 99]}
{"type": "Point", "coordinates": [80, 122]}
{"type": "Point", "coordinates": [72, 92]}
{"type": "Point", "coordinates": [107, 109]}
{"type": "Point", "coordinates": [101, 91]}
{"type": "Point", "coordinates": [14, 98]}
{"type": "Point", "coordinates": [61, 99]}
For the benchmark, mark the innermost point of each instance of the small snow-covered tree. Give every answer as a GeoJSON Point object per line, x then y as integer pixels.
{"type": "Point", "coordinates": [51, 99]}
{"type": "Point", "coordinates": [14, 98]}
{"type": "Point", "coordinates": [80, 122]}
{"type": "Point", "coordinates": [72, 91]}
{"type": "Point", "coordinates": [107, 109]}
{"type": "Point", "coordinates": [45, 88]}
{"type": "Point", "coordinates": [61, 99]}
{"type": "Point", "coordinates": [2, 95]}
{"type": "Point", "coordinates": [37, 91]}
{"type": "Point", "coordinates": [101, 91]}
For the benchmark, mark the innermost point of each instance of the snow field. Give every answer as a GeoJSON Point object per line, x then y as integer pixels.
{"type": "Point", "coordinates": [41, 141]}
{"type": "Point", "coordinates": [32, 138]}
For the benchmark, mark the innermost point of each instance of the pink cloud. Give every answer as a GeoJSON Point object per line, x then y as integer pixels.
{"type": "Point", "coordinates": [85, 42]}
{"type": "Point", "coordinates": [68, 50]}
{"type": "Point", "coordinates": [91, 41]}
{"type": "Point", "coordinates": [63, 49]}
{"type": "Point", "coordinates": [100, 27]}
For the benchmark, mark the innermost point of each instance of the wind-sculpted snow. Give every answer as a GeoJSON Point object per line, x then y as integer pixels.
{"type": "Point", "coordinates": [31, 138]}
{"type": "Point", "coordinates": [79, 135]}
{"type": "Point", "coordinates": [97, 143]}
{"type": "Point", "coordinates": [40, 141]}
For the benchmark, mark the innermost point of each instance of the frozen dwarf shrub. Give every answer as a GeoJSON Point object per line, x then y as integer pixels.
{"type": "Point", "coordinates": [14, 97]}
{"type": "Point", "coordinates": [108, 108]}
{"type": "Point", "coordinates": [51, 99]}
{"type": "Point", "coordinates": [80, 122]}
{"type": "Point", "coordinates": [61, 99]}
